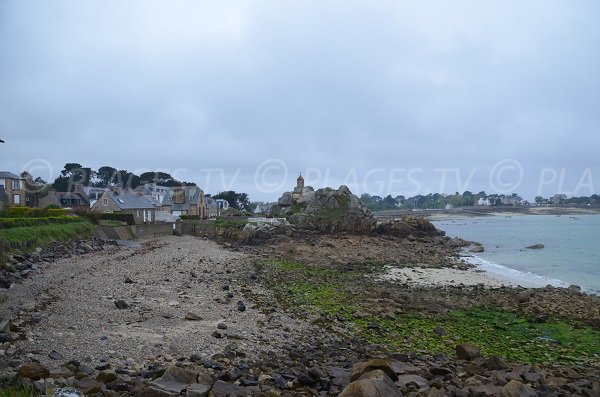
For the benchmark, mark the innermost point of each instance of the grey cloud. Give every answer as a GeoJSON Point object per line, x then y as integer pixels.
{"type": "Point", "coordinates": [329, 85]}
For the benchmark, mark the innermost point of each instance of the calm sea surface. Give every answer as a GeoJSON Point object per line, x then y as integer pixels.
{"type": "Point", "coordinates": [571, 254]}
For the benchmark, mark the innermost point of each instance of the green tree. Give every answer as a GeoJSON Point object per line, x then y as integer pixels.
{"type": "Point", "coordinates": [239, 201]}
{"type": "Point", "coordinates": [106, 176]}
{"type": "Point", "coordinates": [71, 175]}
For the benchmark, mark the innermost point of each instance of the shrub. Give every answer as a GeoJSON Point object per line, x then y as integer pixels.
{"type": "Point", "coordinates": [112, 216]}
{"type": "Point", "coordinates": [57, 212]}
{"type": "Point", "coordinates": [190, 217]}
{"type": "Point", "coordinates": [27, 212]}
{"type": "Point", "coordinates": [30, 237]}
{"type": "Point", "coordinates": [8, 223]}
{"type": "Point", "coordinates": [3, 250]}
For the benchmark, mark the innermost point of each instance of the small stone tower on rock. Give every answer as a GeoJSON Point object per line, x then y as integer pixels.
{"type": "Point", "coordinates": [300, 183]}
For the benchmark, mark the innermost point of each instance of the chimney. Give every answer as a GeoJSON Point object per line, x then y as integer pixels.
{"type": "Point", "coordinates": [179, 196]}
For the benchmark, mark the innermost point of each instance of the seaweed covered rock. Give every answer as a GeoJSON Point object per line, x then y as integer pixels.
{"type": "Point", "coordinates": [409, 226]}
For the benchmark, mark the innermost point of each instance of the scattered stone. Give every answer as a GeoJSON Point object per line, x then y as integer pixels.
{"type": "Point", "coordinates": [535, 246]}
{"type": "Point", "coordinates": [173, 382]}
{"type": "Point", "coordinates": [33, 371]}
{"type": "Point", "coordinates": [128, 280]}
{"type": "Point", "coordinates": [372, 384]}
{"type": "Point", "coordinates": [440, 331]}
{"type": "Point", "coordinates": [103, 367]}
{"type": "Point", "coordinates": [221, 326]}
{"type": "Point", "coordinates": [106, 377]}
{"type": "Point", "coordinates": [121, 304]}
{"type": "Point", "coordinates": [67, 392]}
{"type": "Point", "coordinates": [376, 364]}
{"type": "Point", "coordinates": [88, 386]}
{"type": "Point", "coordinates": [241, 306]}
{"type": "Point", "coordinates": [495, 363]}
{"type": "Point", "coordinates": [574, 289]}
{"type": "Point", "coordinates": [55, 355]}
{"type": "Point", "coordinates": [62, 372]}
{"type": "Point", "coordinates": [192, 317]}
{"type": "Point", "coordinates": [515, 388]}
{"type": "Point", "coordinates": [525, 296]}
{"type": "Point", "coordinates": [467, 351]}
{"type": "Point", "coordinates": [223, 389]}
{"type": "Point", "coordinates": [198, 390]}
{"type": "Point", "coordinates": [418, 381]}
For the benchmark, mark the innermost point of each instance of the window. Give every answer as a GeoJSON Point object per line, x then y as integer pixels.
{"type": "Point", "coordinates": [105, 202]}
{"type": "Point", "coordinates": [17, 199]}
{"type": "Point", "coordinates": [16, 185]}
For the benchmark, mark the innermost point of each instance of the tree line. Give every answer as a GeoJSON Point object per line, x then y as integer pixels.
{"type": "Point", "coordinates": [107, 176]}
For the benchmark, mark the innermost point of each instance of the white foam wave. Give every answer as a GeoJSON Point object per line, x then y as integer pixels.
{"type": "Point", "coordinates": [514, 276]}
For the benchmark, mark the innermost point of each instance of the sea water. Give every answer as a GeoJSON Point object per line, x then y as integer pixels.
{"type": "Point", "coordinates": [571, 253]}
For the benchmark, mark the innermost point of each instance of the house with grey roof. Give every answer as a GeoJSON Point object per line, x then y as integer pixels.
{"type": "Point", "coordinates": [14, 188]}
{"type": "Point", "coordinates": [185, 200]}
{"type": "Point", "coordinates": [76, 201]}
{"type": "Point", "coordinates": [142, 207]}
{"type": "Point", "coordinates": [157, 191]}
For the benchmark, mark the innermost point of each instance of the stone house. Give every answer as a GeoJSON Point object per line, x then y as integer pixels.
{"type": "Point", "coordinates": [94, 193]}
{"type": "Point", "coordinates": [142, 207]}
{"type": "Point", "coordinates": [152, 189]}
{"type": "Point", "coordinates": [185, 200]}
{"type": "Point", "coordinates": [77, 200]}
{"type": "Point", "coordinates": [210, 207]}
{"type": "Point", "coordinates": [263, 209]}
{"type": "Point", "coordinates": [14, 188]}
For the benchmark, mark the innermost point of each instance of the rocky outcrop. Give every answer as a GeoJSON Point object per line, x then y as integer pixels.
{"type": "Point", "coordinates": [19, 266]}
{"type": "Point", "coordinates": [266, 231]}
{"type": "Point", "coordinates": [409, 226]}
{"type": "Point", "coordinates": [535, 247]}
{"type": "Point", "coordinates": [326, 210]}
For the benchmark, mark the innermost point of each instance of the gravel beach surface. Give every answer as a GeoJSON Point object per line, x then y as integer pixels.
{"type": "Point", "coordinates": [171, 297]}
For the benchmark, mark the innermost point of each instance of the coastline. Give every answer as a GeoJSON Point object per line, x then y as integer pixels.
{"type": "Point", "coordinates": [320, 315]}
{"type": "Point", "coordinates": [446, 276]}
{"type": "Point", "coordinates": [482, 272]}
{"type": "Point", "coordinates": [474, 212]}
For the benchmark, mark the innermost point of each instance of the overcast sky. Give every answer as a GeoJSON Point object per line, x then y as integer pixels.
{"type": "Point", "coordinates": [399, 97]}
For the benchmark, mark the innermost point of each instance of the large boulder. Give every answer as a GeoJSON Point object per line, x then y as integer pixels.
{"type": "Point", "coordinates": [33, 371]}
{"type": "Point", "coordinates": [327, 210]}
{"type": "Point", "coordinates": [265, 231]}
{"type": "Point", "coordinates": [409, 226]}
{"type": "Point", "coordinates": [375, 383]}
{"type": "Point", "coordinates": [285, 200]}
{"type": "Point", "coordinates": [172, 383]}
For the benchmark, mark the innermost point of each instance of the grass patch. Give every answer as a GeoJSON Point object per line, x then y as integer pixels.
{"type": "Point", "coordinates": [31, 237]}
{"type": "Point", "coordinates": [496, 332]}
{"type": "Point", "coordinates": [227, 223]}
{"type": "Point", "coordinates": [8, 223]}
{"type": "Point", "coordinates": [296, 208]}
{"type": "Point", "coordinates": [16, 392]}
{"type": "Point", "coordinates": [314, 288]}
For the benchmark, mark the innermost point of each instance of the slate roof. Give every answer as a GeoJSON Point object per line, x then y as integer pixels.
{"type": "Point", "coordinates": [192, 196]}
{"type": "Point", "coordinates": [9, 175]}
{"type": "Point", "coordinates": [66, 195]}
{"type": "Point", "coordinates": [132, 201]}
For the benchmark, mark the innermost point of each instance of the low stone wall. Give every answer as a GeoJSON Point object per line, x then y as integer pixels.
{"type": "Point", "coordinates": [198, 227]}
{"type": "Point", "coordinates": [155, 229]}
